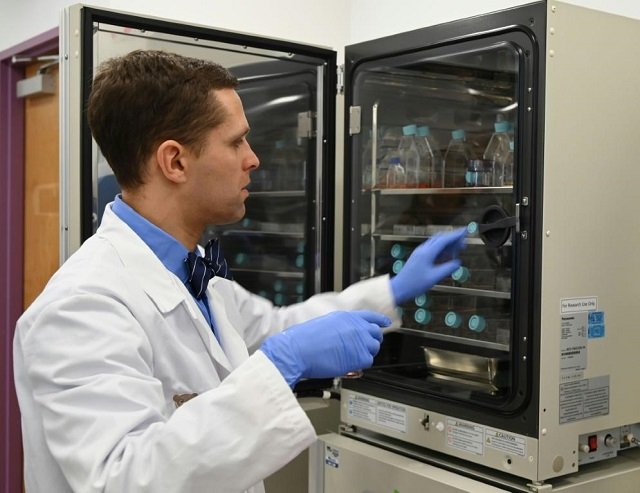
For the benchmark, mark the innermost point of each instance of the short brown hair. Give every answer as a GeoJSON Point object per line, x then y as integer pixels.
{"type": "Point", "coordinates": [146, 97]}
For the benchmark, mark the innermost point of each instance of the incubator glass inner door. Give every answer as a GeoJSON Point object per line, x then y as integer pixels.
{"type": "Point", "coordinates": [438, 150]}
{"type": "Point", "coordinates": [271, 250]}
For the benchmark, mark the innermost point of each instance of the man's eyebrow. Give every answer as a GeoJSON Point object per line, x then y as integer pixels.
{"type": "Point", "coordinates": [243, 133]}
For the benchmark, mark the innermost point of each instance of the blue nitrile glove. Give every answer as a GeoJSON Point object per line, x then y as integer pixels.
{"type": "Point", "coordinates": [430, 262]}
{"type": "Point", "coordinates": [327, 346]}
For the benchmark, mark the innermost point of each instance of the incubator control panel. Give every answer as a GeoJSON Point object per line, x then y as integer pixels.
{"type": "Point", "coordinates": [605, 444]}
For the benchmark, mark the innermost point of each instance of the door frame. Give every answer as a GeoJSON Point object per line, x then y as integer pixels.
{"type": "Point", "coordinates": [12, 245]}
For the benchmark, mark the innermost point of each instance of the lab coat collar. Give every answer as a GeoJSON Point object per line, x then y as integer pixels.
{"type": "Point", "coordinates": [163, 287]}
{"type": "Point", "coordinates": [139, 259]}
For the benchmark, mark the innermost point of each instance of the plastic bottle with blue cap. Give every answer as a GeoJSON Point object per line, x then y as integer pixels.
{"type": "Point", "coordinates": [497, 151]}
{"type": "Point", "coordinates": [422, 300]}
{"type": "Point", "coordinates": [453, 320]}
{"type": "Point", "coordinates": [422, 316]}
{"type": "Point", "coordinates": [396, 175]}
{"type": "Point", "coordinates": [398, 251]}
{"type": "Point", "coordinates": [397, 266]}
{"type": "Point", "coordinates": [456, 159]}
{"type": "Point", "coordinates": [415, 173]}
{"type": "Point", "coordinates": [477, 323]}
{"type": "Point", "coordinates": [461, 274]}
{"type": "Point", "coordinates": [431, 157]}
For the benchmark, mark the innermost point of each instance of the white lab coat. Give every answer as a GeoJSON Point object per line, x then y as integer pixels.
{"type": "Point", "coordinates": [100, 354]}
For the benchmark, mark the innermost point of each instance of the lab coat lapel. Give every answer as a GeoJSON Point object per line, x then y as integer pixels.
{"type": "Point", "coordinates": [163, 288]}
{"type": "Point", "coordinates": [234, 346]}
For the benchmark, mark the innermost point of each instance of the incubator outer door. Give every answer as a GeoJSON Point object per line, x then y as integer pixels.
{"type": "Point", "coordinates": [283, 251]}
{"type": "Point", "coordinates": [442, 137]}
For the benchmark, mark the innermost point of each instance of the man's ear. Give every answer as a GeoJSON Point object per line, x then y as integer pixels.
{"type": "Point", "coordinates": [171, 161]}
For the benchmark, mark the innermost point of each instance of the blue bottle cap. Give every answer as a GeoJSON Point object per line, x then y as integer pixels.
{"type": "Point", "coordinates": [424, 131]}
{"type": "Point", "coordinates": [300, 261]}
{"type": "Point", "coordinates": [397, 250]}
{"type": "Point", "coordinates": [452, 319]}
{"type": "Point", "coordinates": [501, 126]}
{"type": "Point", "coordinates": [422, 316]}
{"type": "Point", "coordinates": [458, 134]}
{"type": "Point", "coordinates": [246, 222]}
{"type": "Point", "coordinates": [299, 288]}
{"type": "Point", "coordinates": [409, 130]}
{"type": "Point", "coordinates": [300, 247]}
{"type": "Point", "coordinates": [468, 177]}
{"type": "Point", "coordinates": [472, 228]}
{"type": "Point", "coordinates": [278, 285]}
{"type": "Point", "coordinates": [397, 266]}
{"type": "Point", "coordinates": [278, 299]}
{"type": "Point", "coordinates": [241, 258]}
{"type": "Point", "coordinates": [422, 300]}
{"type": "Point", "coordinates": [461, 274]}
{"type": "Point", "coordinates": [477, 323]}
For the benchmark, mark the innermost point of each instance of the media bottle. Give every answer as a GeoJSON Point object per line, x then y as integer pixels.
{"type": "Point", "coordinates": [396, 175]}
{"type": "Point", "coordinates": [422, 301]}
{"type": "Point", "coordinates": [422, 316]}
{"type": "Point", "coordinates": [367, 164]}
{"type": "Point", "coordinates": [461, 274]}
{"type": "Point", "coordinates": [415, 174]}
{"type": "Point", "coordinates": [398, 251]}
{"type": "Point", "coordinates": [431, 157]}
{"type": "Point", "coordinates": [497, 152]}
{"type": "Point", "coordinates": [477, 323]}
{"type": "Point", "coordinates": [388, 150]}
{"type": "Point", "coordinates": [453, 320]}
{"type": "Point", "coordinates": [506, 179]}
{"type": "Point", "coordinates": [456, 160]}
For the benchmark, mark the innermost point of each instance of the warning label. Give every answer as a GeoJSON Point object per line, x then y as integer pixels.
{"type": "Point", "coordinates": [505, 442]}
{"type": "Point", "coordinates": [465, 436]}
{"type": "Point", "coordinates": [383, 413]}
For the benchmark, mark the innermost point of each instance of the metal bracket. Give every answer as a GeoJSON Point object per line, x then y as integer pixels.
{"type": "Point", "coordinates": [39, 84]}
{"type": "Point", "coordinates": [19, 59]}
{"type": "Point", "coordinates": [539, 487]}
{"type": "Point", "coordinates": [306, 125]}
{"type": "Point", "coordinates": [355, 120]}
{"type": "Point", "coordinates": [340, 79]}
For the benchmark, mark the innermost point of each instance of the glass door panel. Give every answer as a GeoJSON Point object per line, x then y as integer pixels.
{"type": "Point", "coordinates": [437, 150]}
{"type": "Point", "coordinates": [280, 249]}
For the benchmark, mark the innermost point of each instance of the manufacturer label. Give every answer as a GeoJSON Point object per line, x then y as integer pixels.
{"type": "Point", "coordinates": [332, 456]}
{"type": "Point", "coordinates": [382, 413]}
{"type": "Point", "coordinates": [573, 342]}
{"type": "Point", "coordinates": [465, 436]}
{"type": "Point", "coordinates": [584, 399]}
{"type": "Point", "coordinates": [505, 442]}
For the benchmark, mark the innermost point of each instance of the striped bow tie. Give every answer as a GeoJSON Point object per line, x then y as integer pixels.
{"type": "Point", "coordinates": [202, 269]}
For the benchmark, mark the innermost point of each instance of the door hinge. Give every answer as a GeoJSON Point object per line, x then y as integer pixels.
{"type": "Point", "coordinates": [306, 125]}
{"type": "Point", "coordinates": [340, 79]}
{"type": "Point", "coordinates": [355, 118]}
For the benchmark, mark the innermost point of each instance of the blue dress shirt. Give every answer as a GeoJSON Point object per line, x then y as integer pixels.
{"type": "Point", "coordinates": [169, 250]}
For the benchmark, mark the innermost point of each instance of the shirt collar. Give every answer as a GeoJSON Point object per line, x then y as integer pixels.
{"type": "Point", "coordinates": [169, 250]}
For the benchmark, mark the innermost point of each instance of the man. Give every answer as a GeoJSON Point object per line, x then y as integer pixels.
{"type": "Point", "coordinates": [130, 377]}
